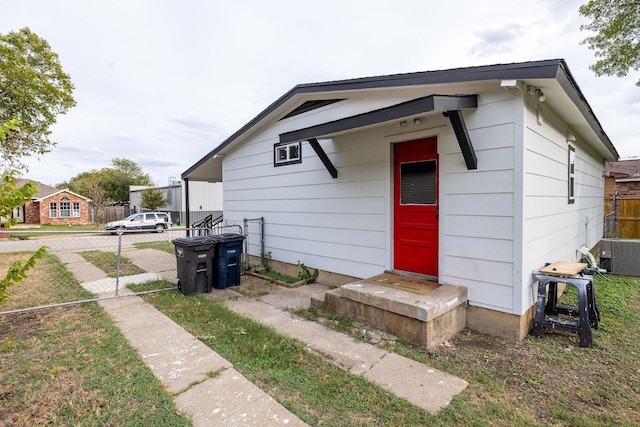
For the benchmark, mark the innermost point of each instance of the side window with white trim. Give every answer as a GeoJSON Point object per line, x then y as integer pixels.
{"type": "Point", "coordinates": [571, 171]}
{"type": "Point", "coordinates": [287, 153]}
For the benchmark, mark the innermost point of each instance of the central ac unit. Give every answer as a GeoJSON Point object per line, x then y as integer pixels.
{"type": "Point", "coordinates": [620, 256]}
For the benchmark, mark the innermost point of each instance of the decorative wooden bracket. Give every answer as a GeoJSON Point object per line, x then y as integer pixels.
{"type": "Point", "coordinates": [323, 157]}
{"type": "Point", "coordinates": [460, 129]}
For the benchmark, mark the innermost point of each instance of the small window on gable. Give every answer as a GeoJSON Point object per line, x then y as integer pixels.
{"type": "Point", "coordinates": [287, 153]}
{"type": "Point", "coordinates": [571, 165]}
{"type": "Point", "coordinates": [53, 210]}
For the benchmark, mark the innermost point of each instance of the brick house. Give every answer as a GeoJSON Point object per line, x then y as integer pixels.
{"type": "Point", "coordinates": [622, 179]}
{"type": "Point", "coordinates": [53, 206]}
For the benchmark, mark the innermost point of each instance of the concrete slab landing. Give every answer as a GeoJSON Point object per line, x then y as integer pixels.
{"type": "Point", "coordinates": [425, 320]}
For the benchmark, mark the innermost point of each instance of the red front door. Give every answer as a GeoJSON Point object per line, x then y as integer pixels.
{"type": "Point", "coordinates": [416, 206]}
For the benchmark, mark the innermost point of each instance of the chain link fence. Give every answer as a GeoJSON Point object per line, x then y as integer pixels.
{"type": "Point", "coordinates": [102, 264]}
{"type": "Point", "coordinates": [84, 266]}
{"type": "Point", "coordinates": [254, 232]}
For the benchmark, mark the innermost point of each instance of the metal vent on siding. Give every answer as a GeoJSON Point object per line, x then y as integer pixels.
{"type": "Point", "coordinates": [311, 105]}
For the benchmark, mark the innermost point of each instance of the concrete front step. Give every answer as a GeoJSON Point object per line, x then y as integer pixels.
{"type": "Point", "coordinates": [423, 320]}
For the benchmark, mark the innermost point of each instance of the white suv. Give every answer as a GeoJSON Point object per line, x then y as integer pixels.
{"type": "Point", "coordinates": [157, 221]}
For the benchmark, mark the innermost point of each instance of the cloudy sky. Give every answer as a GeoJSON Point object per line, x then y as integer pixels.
{"type": "Point", "coordinates": [163, 82]}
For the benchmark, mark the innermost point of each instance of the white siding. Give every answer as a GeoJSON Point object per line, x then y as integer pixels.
{"type": "Point", "coordinates": [203, 196]}
{"type": "Point", "coordinates": [477, 206]}
{"type": "Point", "coordinates": [554, 228]}
{"type": "Point", "coordinates": [497, 223]}
{"type": "Point", "coordinates": [339, 225]}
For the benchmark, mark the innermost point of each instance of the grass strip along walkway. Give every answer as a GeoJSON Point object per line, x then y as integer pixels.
{"type": "Point", "coordinates": [71, 365]}
{"type": "Point", "coordinates": [306, 384]}
{"type": "Point", "coordinates": [549, 381]}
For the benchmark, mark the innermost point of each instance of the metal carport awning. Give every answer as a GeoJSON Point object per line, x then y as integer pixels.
{"type": "Point", "coordinates": [450, 105]}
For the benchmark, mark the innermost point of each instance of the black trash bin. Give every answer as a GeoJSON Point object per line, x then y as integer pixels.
{"type": "Point", "coordinates": [229, 259]}
{"type": "Point", "coordinates": [195, 258]}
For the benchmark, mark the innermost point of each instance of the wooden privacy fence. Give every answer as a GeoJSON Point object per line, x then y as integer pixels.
{"type": "Point", "coordinates": [110, 213]}
{"type": "Point", "coordinates": [622, 217]}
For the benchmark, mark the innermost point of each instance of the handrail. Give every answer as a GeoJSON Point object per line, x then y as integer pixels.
{"type": "Point", "coordinates": [207, 222]}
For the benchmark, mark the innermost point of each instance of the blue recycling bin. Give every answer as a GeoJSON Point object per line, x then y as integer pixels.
{"type": "Point", "coordinates": [228, 260]}
{"type": "Point", "coordinates": [195, 257]}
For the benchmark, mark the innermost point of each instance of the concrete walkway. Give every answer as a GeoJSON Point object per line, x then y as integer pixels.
{"type": "Point", "coordinates": [420, 384]}
{"type": "Point", "coordinates": [207, 388]}
{"type": "Point", "coordinates": [153, 260]}
{"type": "Point", "coordinates": [204, 386]}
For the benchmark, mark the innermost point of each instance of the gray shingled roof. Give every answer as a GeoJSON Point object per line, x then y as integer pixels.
{"type": "Point", "coordinates": [43, 190]}
{"type": "Point", "coordinates": [628, 168]}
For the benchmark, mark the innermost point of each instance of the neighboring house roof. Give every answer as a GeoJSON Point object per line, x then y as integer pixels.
{"type": "Point", "coordinates": [64, 190]}
{"type": "Point", "coordinates": [44, 191]}
{"type": "Point", "coordinates": [623, 169]}
{"type": "Point", "coordinates": [562, 94]}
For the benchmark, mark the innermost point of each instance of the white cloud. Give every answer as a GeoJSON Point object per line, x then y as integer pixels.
{"type": "Point", "coordinates": [163, 83]}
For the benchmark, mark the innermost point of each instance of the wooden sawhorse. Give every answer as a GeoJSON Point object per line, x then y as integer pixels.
{"type": "Point", "coordinates": [582, 317]}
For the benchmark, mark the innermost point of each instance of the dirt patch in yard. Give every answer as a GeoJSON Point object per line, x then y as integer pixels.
{"type": "Point", "coordinates": [21, 326]}
{"type": "Point", "coordinates": [254, 287]}
{"type": "Point", "coordinates": [18, 407]}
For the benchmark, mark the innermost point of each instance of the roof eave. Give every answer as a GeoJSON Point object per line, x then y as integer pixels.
{"type": "Point", "coordinates": [546, 69]}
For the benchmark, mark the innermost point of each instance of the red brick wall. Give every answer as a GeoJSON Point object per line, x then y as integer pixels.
{"type": "Point", "coordinates": [32, 212]}
{"type": "Point", "coordinates": [39, 212]}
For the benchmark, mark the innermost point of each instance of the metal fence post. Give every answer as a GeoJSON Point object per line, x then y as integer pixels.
{"type": "Point", "coordinates": [263, 264]}
{"type": "Point", "coordinates": [616, 226]}
{"type": "Point", "coordinates": [119, 256]}
{"type": "Point", "coordinates": [245, 232]}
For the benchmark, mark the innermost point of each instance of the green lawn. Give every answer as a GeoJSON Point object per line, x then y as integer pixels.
{"type": "Point", "coordinates": [52, 227]}
{"type": "Point", "coordinates": [538, 382]}
{"type": "Point", "coordinates": [163, 245]}
{"type": "Point", "coordinates": [71, 365]}
{"type": "Point", "coordinates": [108, 262]}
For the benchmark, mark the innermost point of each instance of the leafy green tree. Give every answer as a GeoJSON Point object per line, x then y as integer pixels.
{"type": "Point", "coordinates": [83, 182]}
{"type": "Point", "coordinates": [12, 196]}
{"type": "Point", "coordinates": [152, 199]}
{"type": "Point", "coordinates": [131, 169]}
{"type": "Point", "coordinates": [617, 39]}
{"type": "Point", "coordinates": [114, 181]}
{"type": "Point", "coordinates": [123, 174]}
{"type": "Point", "coordinates": [89, 184]}
{"type": "Point", "coordinates": [33, 89]}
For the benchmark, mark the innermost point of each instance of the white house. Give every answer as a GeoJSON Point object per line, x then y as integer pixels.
{"type": "Point", "coordinates": [476, 176]}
